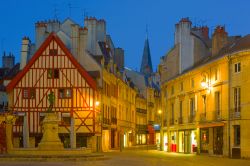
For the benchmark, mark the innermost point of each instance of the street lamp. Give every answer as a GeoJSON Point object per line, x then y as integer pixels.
{"type": "Point", "coordinates": [161, 131]}
{"type": "Point", "coordinates": [205, 83]}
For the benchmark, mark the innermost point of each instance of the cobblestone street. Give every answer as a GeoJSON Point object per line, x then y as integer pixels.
{"type": "Point", "coordinates": [138, 158]}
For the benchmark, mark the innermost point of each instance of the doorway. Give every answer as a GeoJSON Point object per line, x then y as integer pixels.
{"type": "Point", "coordinates": [218, 140]}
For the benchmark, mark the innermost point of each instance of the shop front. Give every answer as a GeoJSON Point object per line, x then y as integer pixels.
{"type": "Point", "coordinates": [173, 141]}
{"type": "Point", "coordinates": [165, 141]}
{"type": "Point", "coordinates": [211, 138]}
{"type": "Point", "coordinates": [190, 141]}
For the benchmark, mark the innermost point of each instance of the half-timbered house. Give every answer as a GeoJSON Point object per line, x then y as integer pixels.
{"type": "Point", "coordinates": [53, 69]}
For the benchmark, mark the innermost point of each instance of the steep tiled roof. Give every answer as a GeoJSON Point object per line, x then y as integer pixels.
{"type": "Point", "coordinates": [235, 44]}
{"type": "Point", "coordinates": [51, 37]}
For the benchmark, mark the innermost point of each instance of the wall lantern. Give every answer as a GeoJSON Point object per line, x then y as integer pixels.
{"type": "Point", "coordinates": [97, 103]}
{"type": "Point", "coordinates": [205, 82]}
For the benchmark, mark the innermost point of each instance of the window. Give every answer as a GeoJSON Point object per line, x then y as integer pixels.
{"type": "Point", "coordinates": [217, 102]}
{"type": "Point", "coordinates": [192, 105]}
{"type": "Point", "coordinates": [29, 93]}
{"type": "Point", "coordinates": [53, 73]}
{"type": "Point", "coordinates": [181, 86]}
{"type": "Point", "coordinates": [192, 83]}
{"type": "Point", "coordinates": [237, 99]}
{"type": "Point", "coordinates": [216, 74]}
{"type": "Point", "coordinates": [19, 120]}
{"type": "Point", "coordinates": [66, 120]}
{"type": "Point", "coordinates": [180, 109]}
{"type": "Point", "coordinates": [53, 52]}
{"type": "Point", "coordinates": [204, 104]}
{"type": "Point", "coordinates": [237, 67]}
{"type": "Point", "coordinates": [172, 111]}
{"type": "Point", "coordinates": [172, 90]}
{"type": "Point", "coordinates": [237, 135]}
{"type": "Point", "coordinates": [65, 93]}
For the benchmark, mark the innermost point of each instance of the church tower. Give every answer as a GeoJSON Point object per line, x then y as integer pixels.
{"type": "Point", "coordinates": [146, 63]}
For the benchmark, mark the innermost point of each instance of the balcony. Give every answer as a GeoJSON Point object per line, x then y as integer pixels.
{"type": "Point", "coordinates": [203, 117]}
{"type": "Point", "coordinates": [171, 121]}
{"type": "Point", "coordinates": [217, 115]}
{"type": "Point", "coordinates": [114, 121]}
{"type": "Point", "coordinates": [139, 110]}
{"type": "Point", "coordinates": [236, 115]}
{"type": "Point", "coordinates": [106, 121]}
{"type": "Point", "coordinates": [150, 122]}
{"type": "Point", "coordinates": [180, 120]}
{"type": "Point", "coordinates": [191, 118]}
{"type": "Point", "coordinates": [140, 127]}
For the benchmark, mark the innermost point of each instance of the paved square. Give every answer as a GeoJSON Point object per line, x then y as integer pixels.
{"type": "Point", "coordinates": [137, 158]}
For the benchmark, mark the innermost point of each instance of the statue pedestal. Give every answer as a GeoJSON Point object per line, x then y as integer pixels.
{"type": "Point", "coordinates": [50, 139]}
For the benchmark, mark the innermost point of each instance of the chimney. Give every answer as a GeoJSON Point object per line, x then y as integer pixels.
{"type": "Point", "coordinates": [8, 61]}
{"type": "Point", "coordinates": [205, 32]}
{"type": "Point", "coordinates": [40, 33]}
{"type": "Point", "coordinates": [182, 28]}
{"type": "Point", "coordinates": [90, 23]}
{"type": "Point", "coordinates": [119, 58]}
{"type": "Point", "coordinates": [24, 52]}
{"type": "Point", "coordinates": [83, 44]}
{"type": "Point", "coordinates": [219, 39]}
{"type": "Point", "coordinates": [74, 40]}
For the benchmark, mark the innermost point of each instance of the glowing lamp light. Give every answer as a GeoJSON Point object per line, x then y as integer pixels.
{"type": "Point", "coordinates": [97, 103]}
{"type": "Point", "coordinates": [159, 111]}
{"type": "Point", "coordinates": [204, 84]}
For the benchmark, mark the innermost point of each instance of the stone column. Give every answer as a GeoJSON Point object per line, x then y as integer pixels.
{"type": "Point", "coordinates": [161, 139]}
{"type": "Point", "coordinates": [9, 123]}
{"type": "Point", "coordinates": [198, 140]}
{"type": "Point", "coordinates": [25, 131]}
{"type": "Point", "coordinates": [72, 133]}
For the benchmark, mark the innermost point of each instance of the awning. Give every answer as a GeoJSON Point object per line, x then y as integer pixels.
{"type": "Point", "coordinates": [212, 124]}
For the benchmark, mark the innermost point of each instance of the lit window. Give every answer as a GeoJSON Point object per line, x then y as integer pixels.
{"type": "Point", "coordinates": [237, 67]}
{"type": "Point", "coordinates": [29, 93]}
{"type": "Point", "coordinates": [65, 93]}
{"type": "Point", "coordinates": [53, 73]}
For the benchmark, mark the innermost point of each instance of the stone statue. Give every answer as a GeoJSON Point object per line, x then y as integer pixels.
{"type": "Point", "coordinates": [51, 98]}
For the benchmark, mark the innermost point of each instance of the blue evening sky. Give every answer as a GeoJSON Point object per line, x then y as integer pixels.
{"type": "Point", "coordinates": [126, 21]}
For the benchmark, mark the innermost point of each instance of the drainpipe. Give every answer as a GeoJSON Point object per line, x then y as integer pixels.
{"type": "Point", "coordinates": [229, 108]}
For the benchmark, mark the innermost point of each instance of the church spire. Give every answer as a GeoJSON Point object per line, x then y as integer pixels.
{"type": "Point", "coordinates": [146, 63]}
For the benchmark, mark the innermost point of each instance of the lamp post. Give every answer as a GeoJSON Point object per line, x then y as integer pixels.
{"type": "Point", "coordinates": [161, 131]}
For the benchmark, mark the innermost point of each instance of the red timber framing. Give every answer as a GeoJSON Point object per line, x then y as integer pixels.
{"type": "Point", "coordinates": [54, 69]}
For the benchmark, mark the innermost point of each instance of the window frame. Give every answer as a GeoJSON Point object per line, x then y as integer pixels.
{"type": "Point", "coordinates": [31, 93]}
{"type": "Point", "coordinates": [64, 95]}
{"type": "Point", "coordinates": [237, 137]}
{"type": "Point", "coordinates": [54, 73]}
{"type": "Point", "coordinates": [237, 67]}
{"type": "Point", "coordinates": [237, 99]}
